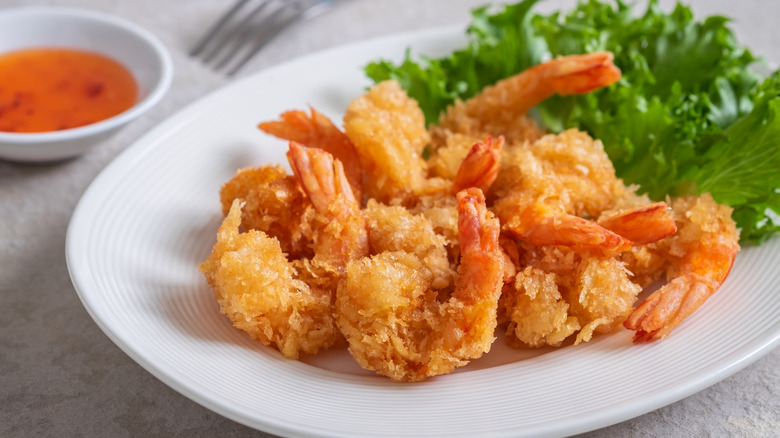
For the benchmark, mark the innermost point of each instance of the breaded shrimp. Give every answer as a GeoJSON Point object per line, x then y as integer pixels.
{"type": "Point", "coordinates": [570, 168]}
{"type": "Point", "coordinates": [479, 169]}
{"type": "Point", "coordinates": [274, 204]}
{"type": "Point", "coordinates": [288, 303]}
{"type": "Point", "coordinates": [258, 290]}
{"type": "Point", "coordinates": [394, 228]}
{"type": "Point", "coordinates": [388, 130]}
{"type": "Point", "coordinates": [560, 293]}
{"type": "Point", "coordinates": [317, 131]}
{"type": "Point", "coordinates": [343, 235]}
{"type": "Point", "coordinates": [546, 193]}
{"type": "Point", "coordinates": [501, 109]}
{"type": "Point", "coordinates": [701, 254]}
{"type": "Point", "coordinates": [496, 108]}
{"type": "Point", "coordinates": [392, 319]}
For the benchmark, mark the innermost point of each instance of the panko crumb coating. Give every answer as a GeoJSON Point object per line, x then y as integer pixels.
{"type": "Point", "coordinates": [258, 290]}
{"type": "Point", "coordinates": [560, 293]}
{"type": "Point", "coordinates": [394, 228]}
{"type": "Point", "coordinates": [273, 203]}
{"type": "Point", "coordinates": [388, 130]}
{"type": "Point", "coordinates": [394, 320]}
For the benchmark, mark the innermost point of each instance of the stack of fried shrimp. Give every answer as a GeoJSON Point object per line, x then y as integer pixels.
{"type": "Point", "coordinates": [414, 264]}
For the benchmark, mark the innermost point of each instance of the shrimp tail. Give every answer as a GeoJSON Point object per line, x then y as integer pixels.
{"type": "Point", "coordinates": [642, 225]}
{"type": "Point", "coordinates": [319, 175]}
{"type": "Point", "coordinates": [580, 74]}
{"type": "Point", "coordinates": [478, 230]}
{"type": "Point", "coordinates": [713, 242]}
{"type": "Point", "coordinates": [480, 167]}
{"type": "Point", "coordinates": [322, 178]}
{"type": "Point", "coordinates": [538, 227]}
{"type": "Point", "coordinates": [666, 308]}
{"type": "Point", "coordinates": [478, 287]}
{"type": "Point", "coordinates": [296, 125]}
{"type": "Point", "coordinates": [566, 75]}
{"type": "Point", "coordinates": [316, 130]}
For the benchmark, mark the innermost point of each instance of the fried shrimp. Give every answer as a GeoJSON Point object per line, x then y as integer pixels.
{"type": "Point", "coordinates": [560, 293]}
{"type": "Point", "coordinates": [549, 191]}
{"type": "Point", "coordinates": [478, 170]}
{"type": "Point", "coordinates": [343, 234]}
{"type": "Point", "coordinates": [274, 204]}
{"type": "Point", "coordinates": [501, 109]}
{"type": "Point", "coordinates": [543, 189]}
{"type": "Point", "coordinates": [317, 131]}
{"type": "Point", "coordinates": [701, 254]}
{"type": "Point", "coordinates": [496, 109]}
{"type": "Point", "coordinates": [258, 290]}
{"type": "Point", "coordinates": [388, 130]}
{"type": "Point", "coordinates": [282, 302]}
{"type": "Point", "coordinates": [570, 169]}
{"type": "Point", "coordinates": [394, 323]}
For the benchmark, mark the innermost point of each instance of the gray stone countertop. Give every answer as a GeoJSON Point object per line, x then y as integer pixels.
{"type": "Point", "coordinates": [61, 376]}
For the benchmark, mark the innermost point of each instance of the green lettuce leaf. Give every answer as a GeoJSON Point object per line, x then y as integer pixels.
{"type": "Point", "coordinates": [738, 168]}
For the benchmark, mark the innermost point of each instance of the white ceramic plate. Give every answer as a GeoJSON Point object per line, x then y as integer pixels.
{"type": "Point", "coordinates": [141, 229]}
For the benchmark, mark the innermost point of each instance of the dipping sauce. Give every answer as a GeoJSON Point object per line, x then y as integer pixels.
{"type": "Point", "coordinates": [51, 89]}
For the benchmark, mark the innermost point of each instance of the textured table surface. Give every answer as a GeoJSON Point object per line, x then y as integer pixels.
{"type": "Point", "coordinates": [61, 376]}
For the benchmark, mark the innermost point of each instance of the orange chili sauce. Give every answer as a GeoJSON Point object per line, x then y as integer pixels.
{"type": "Point", "coordinates": [51, 89]}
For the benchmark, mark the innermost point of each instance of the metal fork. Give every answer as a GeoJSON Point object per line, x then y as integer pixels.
{"type": "Point", "coordinates": [248, 26]}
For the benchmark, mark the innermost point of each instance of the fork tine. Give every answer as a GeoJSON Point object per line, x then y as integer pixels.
{"type": "Point", "coordinates": [217, 27]}
{"type": "Point", "coordinates": [247, 34]}
{"type": "Point", "coordinates": [243, 26]}
{"type": "Point", "coordinates": [260, 43]}
{"type": "Point", "coordinates": [273, 20]}
{"type": "Point", "coordinates": [309, 10]}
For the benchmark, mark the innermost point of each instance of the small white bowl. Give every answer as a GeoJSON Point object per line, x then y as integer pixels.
{"type": "Point", "coordinates": [137, 49]}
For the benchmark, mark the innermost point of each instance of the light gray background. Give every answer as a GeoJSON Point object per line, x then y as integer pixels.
{"type": "Point", "coordinates": [61, 376]}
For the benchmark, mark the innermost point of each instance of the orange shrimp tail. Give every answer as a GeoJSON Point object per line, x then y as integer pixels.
{"type": "Point", "coordinates": [476, 229]}
{"type": "Point", "coordinates": [313, 168]}
{"type": "Point", "coordinates": [706, 268]}
{"type": "Point", "coordinates": [317, 131]}
{"type": "Point", "coordinates": [322, 179]}
{"type": "Point", "coordinates": [642, 225]}
{"type": "Point", "coordinates": [480, 167]}
{"type": "Point", "coordinates": [295, 126]}
{"type": "Point", "coordinates": [481, 259]}
{"type": "Point", "coordinates": [580, 74]}
{"type": "Point", "coordinates": [580, 235]}
{"type": "Point", "coordinates": [666, 308]}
